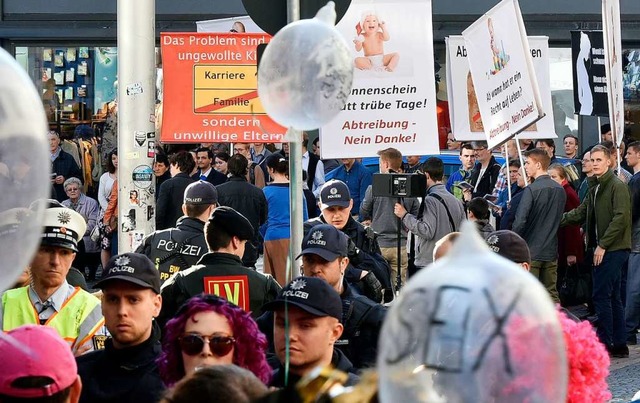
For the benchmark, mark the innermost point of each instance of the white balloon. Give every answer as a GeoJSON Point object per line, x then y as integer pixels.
{"type": "Point", "coordinates": [24, 169]}
{"type": "Point", "coordinates": [306, 72]}
{"type": "Point", "coordinates": [473, 327]}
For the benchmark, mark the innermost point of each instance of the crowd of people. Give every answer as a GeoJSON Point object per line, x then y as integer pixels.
{"type": "Point", "coordinates": [189, 311]}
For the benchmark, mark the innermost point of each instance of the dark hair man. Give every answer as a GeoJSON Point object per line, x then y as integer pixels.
{"type": "Point", "coordinates": [63, 166]}
{"type": "Point", "coordinates": [607, 212]}
{"type": "Point", "coordinates": [161, 170]}
{"type": "Point", "coordinates": [570, 144]}
{"type": "Point", "coordinates": [622, 174]}
{"type": "Point", "coordinates": [246, 199]}
{"type": "Point", "coordinates": [49, 299]}
{"type": "Point", "coordinates": [205, 172]}
{"type": "Point", "coordinates": [463, 174]}
{"type": "Point", "coordinates": [126, 369]}
{"type": "Point", "coordinates": [220, 271]}
{"type": "Point", "coordinates": [306, 322]}
{"type": "Point", "coordinates": [478, 212]}
{"type": "Point", "coordinates": [37, 366]}
{"type": "Point", "coordinates": [549, 146]}
{"type": "Point", "coordinates": [538, 218]}
{"type": "Point", "coordinates": [179, 248]}
{"type": "Point", "coordinates": [632, 308]}
{"type": "Point", "coordinates": [439, 214]}
{"type": "Point", "coordinates": [605, 132]}
{"type": "Point", "coordinates": [170, 194]}
{"type": "Point", "coordinates": [378, 213]}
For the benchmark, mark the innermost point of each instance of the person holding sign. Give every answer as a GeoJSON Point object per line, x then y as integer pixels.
{"type": "Point", "coordinates": [371, 34]}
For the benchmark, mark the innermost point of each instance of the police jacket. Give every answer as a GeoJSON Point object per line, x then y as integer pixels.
{"type": "Point", "coordinates": [122, 375]}
{"type": "Point", "coordinates": [366, 255]}
{"type": "Point", "coordinates": [362, 320]}
{"type": "Point", "coordinates": [175, 249]}
{"type": "Point", "coordinates": [170, 196]}
{"type": "Point", "coordinates": [221, 274]}
{"type": "Point", "coordinates": [250, 201]}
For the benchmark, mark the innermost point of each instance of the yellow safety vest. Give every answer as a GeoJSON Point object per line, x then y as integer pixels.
{"type": "Point", "coordinates": [18, 311]}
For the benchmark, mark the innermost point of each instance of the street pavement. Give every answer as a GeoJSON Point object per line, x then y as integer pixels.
{"type": "Point", "coordinates": [624, 376]}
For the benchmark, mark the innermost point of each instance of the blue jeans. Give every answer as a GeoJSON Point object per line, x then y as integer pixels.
{"type": "Point", "coordinates": [606, 298]}
{"type": "Point", "coordinates": [632, 310]}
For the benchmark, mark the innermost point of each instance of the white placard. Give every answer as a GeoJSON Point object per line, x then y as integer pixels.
{"type": "Point", "coordinates": [613, 66]}
{"type": "Point", "coordinates": [393, 99]}
{"type": "Point", "coordinates": [502, 72]}
{"type": "Point", "coordinates": [228, 24]}
{"type": "Point", "coordinates": [466, 122]}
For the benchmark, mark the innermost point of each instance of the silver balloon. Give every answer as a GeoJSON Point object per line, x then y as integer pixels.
{"type": "Point", "coordinates": [474, 327]}
{"type": "Point", "coordinates": [306, 72]}
{"type": "Point", "coordinates": [24, 169]}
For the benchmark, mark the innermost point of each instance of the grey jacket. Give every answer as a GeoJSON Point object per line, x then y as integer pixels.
{"type": "Point", "coordinates": [538, 217]}
{"type": "Point", "coordinates": [434, 223]}
{"type": "Point", "coordinates": [380, 211]}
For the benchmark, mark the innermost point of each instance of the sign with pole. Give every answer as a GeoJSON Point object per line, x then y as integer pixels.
{"type": "Point", "coordinates": [613, 66]}
{"type": "Point", "coordinates": [502, 72]}
{"type": "Point", "coordinates": [465, 116]}
{"type": "Point", "coordinates": [589, 76]}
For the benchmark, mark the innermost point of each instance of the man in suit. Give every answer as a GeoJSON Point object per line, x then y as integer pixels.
{"type": "Point", "coordinates": [171, 192]}
{"type": "Point", "coordinates": [204, 160]}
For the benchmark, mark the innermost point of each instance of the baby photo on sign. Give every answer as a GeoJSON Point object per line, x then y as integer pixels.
{"type": "Point", "coordinates": [371, 33]}
{"type": "Point", "coordinates": [500, 58]}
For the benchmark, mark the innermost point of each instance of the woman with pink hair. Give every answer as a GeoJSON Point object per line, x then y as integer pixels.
{"type": "Point", "coordinates": [208, 330]}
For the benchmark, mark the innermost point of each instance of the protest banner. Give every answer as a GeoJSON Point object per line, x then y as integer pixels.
{"type": "Point", "coordinates": [466, 122]}
{"type": "Point", "coordinates": [210, 89]}
{"type": "Point", "coordinates": [240, 24]}
{"type": "Point", "coordinates": [613, 66]}
{"type": "Point", "coordinates": [502, 72]}
{"type": "Point", "coordinates": [589, 75]}
{"type": "Point", "coordinates": [392, 102]}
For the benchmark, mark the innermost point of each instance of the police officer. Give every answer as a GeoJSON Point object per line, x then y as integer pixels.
{"type": "Point", "coordinates": [175, 249]}
{"type": "Point", "coordinates": [220, 271]}
{"type": "Point", "coordinates": [368, 270]}
{"type": "Point", "coordinates": [49, 299]}
{"type": "Point", "coordinates": [324, 255]}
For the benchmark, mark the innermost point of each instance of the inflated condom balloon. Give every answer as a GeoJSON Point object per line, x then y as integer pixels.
{"type": "Point", "coordinates": [306, 72]}
{"type": "Point", "coordinates": [473, 327]}
{"type": "Point", "coordinates": [24, 169]}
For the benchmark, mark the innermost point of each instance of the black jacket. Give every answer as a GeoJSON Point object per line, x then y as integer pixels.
{"type": "Point", "coordinates": [122, 375]}
{"type": "Point", "coordinates": [221, 274]}
{"type": "Point", "coordinates": [160, 180]}
{"type": "Point", "coordinates": [362, 320]}
{"type": "Point", "coordinates": [215, 178]}
{"type": "Point", "coordinates": [170, 197]}
{"type": "Point", "coordinates": [66, 166]}
{"type": "Point", "coordinates": [488, 180]}
{"type": "Point", "coordinates": [248, 200]}
{"type": "Point", "coordinates": [175, 249]}
{"type": "Point", "coordinates": [367, 256]}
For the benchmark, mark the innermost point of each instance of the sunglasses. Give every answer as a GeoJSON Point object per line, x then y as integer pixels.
{"type": "Point", "coordinates": [193, 344]}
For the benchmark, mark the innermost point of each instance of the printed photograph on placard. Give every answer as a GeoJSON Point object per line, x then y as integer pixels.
{"type": "Point", "coordinates": [371, 34]}
{"type": "Point", "coordinates": [82, 69]}
{"type": "Point", "coordinates": [71, 54]}
{"type": "Point", "coordinates": [47, 55]}
{"type": "Point", "coordinates": [70, 75]}
{"type": "Point", "coordinates": [59, 77]}
{"type": "Point", "coordinates": [83, 52]}
{"type": "Point", "coordinates": [59, 59]}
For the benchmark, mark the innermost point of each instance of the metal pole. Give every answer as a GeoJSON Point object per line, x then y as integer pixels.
{"type": "Point", "coordinates": [524, 172]}
{"type": "Point", "coordinates": [136, 128]}
{"type": "Point", "coordinates": [508, 175]}
{"type": "Point", "coordinates": [295, 176]}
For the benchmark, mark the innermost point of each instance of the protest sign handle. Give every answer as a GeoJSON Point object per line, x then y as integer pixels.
{"type": "Point", "coordinates": [508, 175]}
{"type": "Point", "coordinates": [524, 172]}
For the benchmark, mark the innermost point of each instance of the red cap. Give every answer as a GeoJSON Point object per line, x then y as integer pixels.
{"type": "Point", "coordinates": [35, 351]}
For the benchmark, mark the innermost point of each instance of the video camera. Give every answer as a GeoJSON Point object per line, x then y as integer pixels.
{"type": "Point", "coordinates": [399, 185]}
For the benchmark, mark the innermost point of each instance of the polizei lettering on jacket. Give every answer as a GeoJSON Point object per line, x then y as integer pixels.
{"type": "Point", "coordinates": [170, 246]}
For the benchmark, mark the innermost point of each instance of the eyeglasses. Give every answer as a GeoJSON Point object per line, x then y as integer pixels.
{"type": "Point", "coordinates": [72, 189]}
{"type": "Point", "coordinates": [193, 344]}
